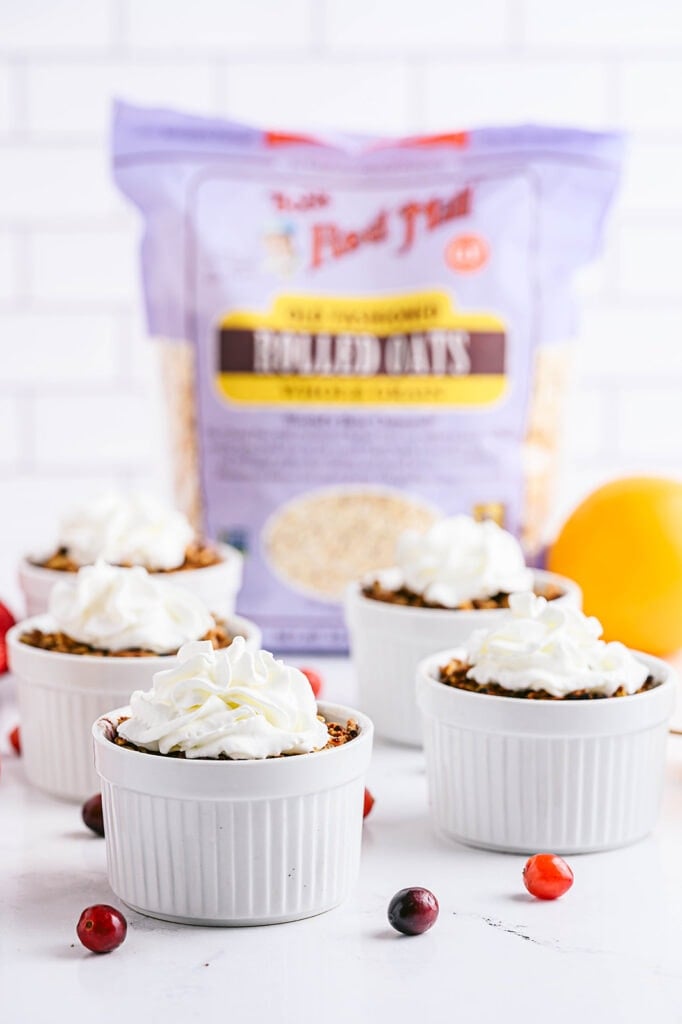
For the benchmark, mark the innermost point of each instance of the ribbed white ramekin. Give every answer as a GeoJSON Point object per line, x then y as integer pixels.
{"type": "Point", "coordinates": [523, 776]}
{"type": "Point", "coordinates": [216, 585]}
{"type": "Point", "coordinates": [61, 695]}
{"type": "Point", "coordinates": [223, 842]}
{"type": "Point", "coordinates": [388, 641]}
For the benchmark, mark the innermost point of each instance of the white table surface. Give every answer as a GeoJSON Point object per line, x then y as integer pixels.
{"type": "Point", "coordinates": [610, 951]}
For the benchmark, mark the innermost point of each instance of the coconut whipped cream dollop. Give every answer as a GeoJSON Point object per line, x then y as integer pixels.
{"type": "Point", "coordinates": [114, 608]}
{"type": "Point", "coordinates": [459, 560]}
{"type": "Point", "coordinates": [233, 703]}
{"type": "Point", "coordinates": [126, 529]}
{"type": "Point", "coordinates": [546, 646]}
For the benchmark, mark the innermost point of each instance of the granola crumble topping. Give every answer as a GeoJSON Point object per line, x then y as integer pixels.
{"type": "Point", "coordinates": [455, 674]}
{"type": "Point", "coordinates": [197, 556]}
{"type": "Point", "coordinates": [404, 596]}
{"type": "Point", "coordinates": [338, 736]}
{"type": "Point", "coordinates": [62, 643]}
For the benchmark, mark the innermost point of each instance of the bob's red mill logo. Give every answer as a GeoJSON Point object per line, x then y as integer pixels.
{"type": "Point", "coordinates": [331, 241]}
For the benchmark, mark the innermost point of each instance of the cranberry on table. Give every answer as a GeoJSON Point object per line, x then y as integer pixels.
{"type": "Point", "coordinates": [15, 739]}
{"type": "Point", "coordinates": [314, 678]}
{"type": "Point", "coordinates": [413, 911]}
{"type": "Point", "coordinates": [7, 620]}
{"type": "Point", "coordinates": [101, 928]}
{"type": "Point", "coordinates": [92, 814]}
{"type": "Point", "coordinates": [368, 804]}
{"type": "Point", "coordinates": [547, 876]}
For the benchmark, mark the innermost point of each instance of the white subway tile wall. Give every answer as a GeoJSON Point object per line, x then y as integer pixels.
{"type": "Point", "coordinates": [57, 351]}
{"type": "Point", "coordinates": [79, 397]}
{"type": "Point", "coordinates": [603, 25]}
{"type": "Point", "coordinates": [46, 184]}
{"type": "Point", "coordinates": [212, 28]}
{"type": "Point", "coordinates": [415, 28]}
{"type": "Point", "coordinates": [58, 106]}
{"type": "Point", "coordinates": [74, 26]}
{"type": "Point", "coordinates": [280, 93]}
{"type": "Point", "coordinates": [504, 91]}
{"type": "Point", "coordinates": [83, 268]}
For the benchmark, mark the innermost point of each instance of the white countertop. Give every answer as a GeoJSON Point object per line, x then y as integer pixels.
{"type": "Point", "coordinates": [609, 951]}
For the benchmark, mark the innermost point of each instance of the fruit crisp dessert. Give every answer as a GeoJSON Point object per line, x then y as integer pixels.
{"type": "Point", "coordinates": [228, 704]}
{"type": "Point", "coordinates": [128, 530]}
{"type": "Point", "coordinates": [110, 611]}
{"type": "Point", "coordinates": [458, 564]}
{"type": "Point", "coordinates": [546, 652]}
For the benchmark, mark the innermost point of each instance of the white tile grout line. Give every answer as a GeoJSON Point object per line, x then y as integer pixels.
{"type": "Point", "coordinates": [120, 51]}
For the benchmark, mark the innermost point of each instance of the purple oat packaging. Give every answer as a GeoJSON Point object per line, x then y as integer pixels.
{"type": "Point", "coordinates": [359, 335]}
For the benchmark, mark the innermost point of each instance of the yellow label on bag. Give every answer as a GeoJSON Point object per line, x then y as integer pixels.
{"type": "Point", "coordinates": [411, 349]}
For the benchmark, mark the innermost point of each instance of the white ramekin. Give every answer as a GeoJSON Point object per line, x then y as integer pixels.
{"type": "Point", "coordinates": [61, 695]}
{"type": "Point", "coordinates": [388, 641]}
{"type": "Point", "coordinates": [523, 776]}
{"type": "Point", "coordinates": [217, 585]}
{"type": "Point", "coordinates": [219, 842]}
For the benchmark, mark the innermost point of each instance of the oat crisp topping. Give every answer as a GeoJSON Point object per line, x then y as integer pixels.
{"type": "Point", "coordinates": [338, 736]}
{"type": "Point", "coordinates": [197, 556]}
{"type": "Point", "coordinates": [61, 643]}
{"type": "Point", "coordinates": [404, 596]}
{"type": "Point", "coordinates": [455, 674]}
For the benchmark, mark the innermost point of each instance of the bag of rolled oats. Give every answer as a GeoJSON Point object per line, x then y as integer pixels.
{"type": "Point", "coordinates": [359, 335]}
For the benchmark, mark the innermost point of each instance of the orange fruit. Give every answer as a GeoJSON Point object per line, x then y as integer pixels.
{"type": "Point", "coordinates": [623, 545]}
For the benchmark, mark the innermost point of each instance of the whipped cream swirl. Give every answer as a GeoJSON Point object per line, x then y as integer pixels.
{"type": "Point", "coordinates": [233, 703]}
{"type": "Point", "coordinates": [546, 646]}
{"type": "Point", "coordinates": [114, 608]}
{"type": "Point", "coordinates": [460, 560]}
{"type": "Point", "coordinates": [133, 529]}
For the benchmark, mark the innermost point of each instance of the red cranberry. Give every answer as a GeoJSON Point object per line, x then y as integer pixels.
{"type": "Point", "coordinates": [547, 876]}
{"type": "Point", "coordinates": [92, 814]}
{"type": "Point", "coordinates": [315, 680]}
{"type": "Point", "coordinates": [15, 739]}
{"type": "Point", "coordinates": [101, 928]}
{"type": "Point", "coordinates": [7, 620]}
{"type": "Point", "coordinates": [413, 911]}
{"type": "Point", "coordinates": [369, 803]}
